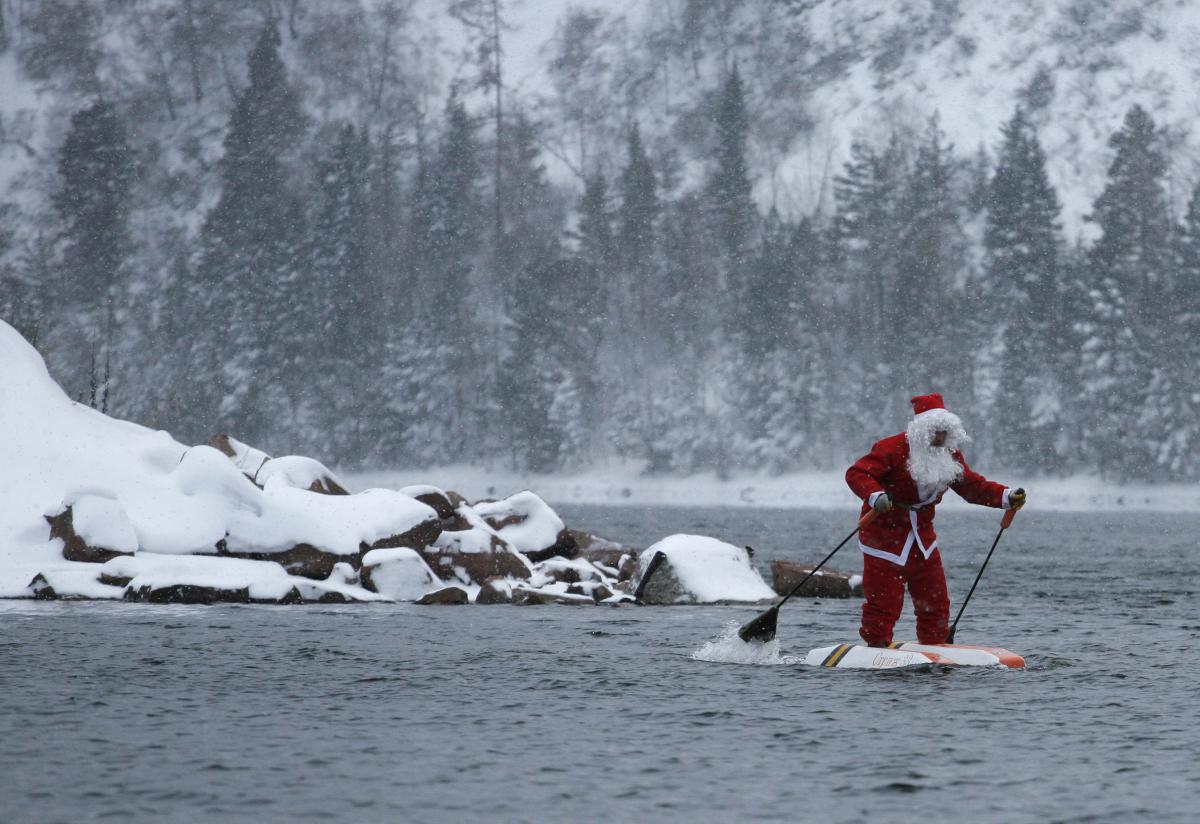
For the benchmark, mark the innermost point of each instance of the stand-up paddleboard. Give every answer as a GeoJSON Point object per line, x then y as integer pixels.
{"type": "Point", "coordinates": [911, 654]}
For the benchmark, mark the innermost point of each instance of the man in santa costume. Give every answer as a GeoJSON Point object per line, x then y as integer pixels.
{"type": "Point", "coordinates": [903, 478]}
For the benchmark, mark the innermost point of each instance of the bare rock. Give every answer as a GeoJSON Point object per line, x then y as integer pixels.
{"type": "Point", "coordinates": [188, 594]}
{"type": "Point", "coordinates": [827, 583]}
{"type": "Point", "coordinates": [495, 591]}
{"type": "Point", "coordinates": [304, 560]}
{"type": "Point", "coordinates": [564, 546]}
{"type": "Point", "coordinates": [449, 595]}
{"type": "Point", "coordinates": [603, 551]}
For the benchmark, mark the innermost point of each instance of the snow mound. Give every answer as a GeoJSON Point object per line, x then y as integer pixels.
{"type": "Point", "coordinates": [133, 489]}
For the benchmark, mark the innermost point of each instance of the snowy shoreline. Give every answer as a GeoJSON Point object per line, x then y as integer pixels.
{"type": "Point", "coordinates": [623, 485]}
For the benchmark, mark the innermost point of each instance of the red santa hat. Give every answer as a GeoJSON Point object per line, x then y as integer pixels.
{"type": "Point", "coordinates": [924, 405]}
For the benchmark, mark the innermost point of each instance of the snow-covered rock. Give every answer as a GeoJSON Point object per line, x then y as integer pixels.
{"type": "Point", "coordinates": [398, 574]}
{"type": "Point", "coordinates": [698, 569]}
{"type": "Point", "coordinates": [528, 524]}
{"type": "Point", "coordinates": [298, 472]}
{"type": "Point", "coordinates": [474, 553]}
{"type": "Point", "coordinates": [93, 528]}
{"type": "Point", "coordinates": [151, 577]}
{"type": "Point", "coordinates": [444, 503]}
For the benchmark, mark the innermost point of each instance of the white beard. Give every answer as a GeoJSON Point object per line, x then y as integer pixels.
{"type": "Point", "coordinates": [934, 467]}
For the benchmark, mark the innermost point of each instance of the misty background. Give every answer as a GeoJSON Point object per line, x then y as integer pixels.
{"type": "Point", "coordinates": [699, 235]}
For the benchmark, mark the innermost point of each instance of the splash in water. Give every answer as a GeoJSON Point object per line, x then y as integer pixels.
{"type": "Point", "coordinates": [728, 648]}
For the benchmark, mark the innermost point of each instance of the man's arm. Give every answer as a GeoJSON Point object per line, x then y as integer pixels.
{"type": "Point", "coordinates": [865, 478]}
{"type": "Point", "coordinates": [977, 489]}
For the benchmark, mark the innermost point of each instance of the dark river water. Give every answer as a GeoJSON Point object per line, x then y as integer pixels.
{"type": "Point", "coordinates": [132, 712]}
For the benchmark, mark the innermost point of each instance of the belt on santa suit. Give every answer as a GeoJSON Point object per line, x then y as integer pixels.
{"type": "Point", "coordinates": [913, 537]}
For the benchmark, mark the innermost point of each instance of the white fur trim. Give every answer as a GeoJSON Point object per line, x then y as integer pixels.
{"type": "Point", "coordinates": [1004, 500]}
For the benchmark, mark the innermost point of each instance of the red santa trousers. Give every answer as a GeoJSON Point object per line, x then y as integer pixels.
{"type": "Point", "coordinates": [883, 587]}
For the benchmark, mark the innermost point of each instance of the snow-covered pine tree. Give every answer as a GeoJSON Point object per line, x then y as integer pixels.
{"type": "Point", "coordinates": [1172, 409]}
{"type": "Point", "coordinates": [1024, 287]}
{"type": "Point", "coordinates": [340, 350]}
{"type": "Point", "coordinates": [446, 238]}
{"type": "Point", "coordinates": [549, 377]}
{"type": "Point", "coordinates": [533, 217]}
{"type": "Point", "coordinates": [1128, 295]}
{"type": "Point", "coordinates": [927, 337]}
{"type": "Point", "coordinates": [247, 267]}
{"type": "Point", "coordinates": [96, 167]}
{"type": "Point", "coordinates": [776, 386]}
{"type": "Point", "coordinates": [729, 187]}
{"type": "Point", "coordinates": [866, 229]}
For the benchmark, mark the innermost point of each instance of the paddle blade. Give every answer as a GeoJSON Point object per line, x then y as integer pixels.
{"type": "Point", "coordinates": [762, 628]}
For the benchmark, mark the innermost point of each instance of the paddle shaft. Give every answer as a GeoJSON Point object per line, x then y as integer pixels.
{"type": "Point", "coordinates": [863, 521]}
{"type": "Point", "coordinates": [1005, 523]}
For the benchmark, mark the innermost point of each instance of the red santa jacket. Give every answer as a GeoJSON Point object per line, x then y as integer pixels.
{"type": "Point", "coordinates": [892, 534]}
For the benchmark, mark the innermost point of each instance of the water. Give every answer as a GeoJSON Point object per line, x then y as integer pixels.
{"type": "Point", "coordinates": [397, 712]}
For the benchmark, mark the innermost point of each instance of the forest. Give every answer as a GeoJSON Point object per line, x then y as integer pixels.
{"type": "Point", "coordinates": [320, 229]}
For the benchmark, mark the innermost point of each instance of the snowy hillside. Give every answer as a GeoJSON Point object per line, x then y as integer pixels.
{"type": "Point", "coordinates": [1077, 65]}
{"type": "Point", "coordinates": [687, 236]}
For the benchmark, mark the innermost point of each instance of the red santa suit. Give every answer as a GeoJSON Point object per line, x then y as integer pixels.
{"type": "Point", "coordinates": [900, 546]}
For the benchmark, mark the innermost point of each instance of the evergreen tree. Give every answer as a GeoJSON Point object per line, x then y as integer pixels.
{"type": "Point", "coordinates": [729, 187]}
{"type": "Point", "coordinates": [96, 166]}
{"type": "Point", "coordinates": [1172, 408]}
{"type": "Point", "coordinates": [247, 269]}
{"type": "Point", "coordinates": [339, 294]}
{"type": "Point", "coordinates": [556, 318]}
{"type": "Point", "coordinates": [446, 240]}
{"type": "Point", "coordinates": [867, 230]}
{"type": "Point", "coordinates": [1128, 295]}
{"type": "Point", "coordinates": [926, 333]}
{"type": "Point", "coordinates": [595, 232]}
{"type": "Point", "coordinates": [639, 211]}
{"type": "Point", "coordinates": [1023, 247]}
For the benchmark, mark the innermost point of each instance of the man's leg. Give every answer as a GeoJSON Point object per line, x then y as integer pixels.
{"type": "Point", "coordinates": [931, 601]}
{"type": "Point", "coordinates": [883, 589]}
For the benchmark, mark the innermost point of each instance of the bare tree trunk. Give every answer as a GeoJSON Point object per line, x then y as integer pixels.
{"type": "Point", "coordinates": [193, 51]}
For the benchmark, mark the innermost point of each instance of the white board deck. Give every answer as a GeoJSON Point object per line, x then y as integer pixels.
{"type": "Point", "coordinates": [911, 654]}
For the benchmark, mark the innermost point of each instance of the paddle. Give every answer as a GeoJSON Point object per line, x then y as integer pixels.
{"type": "Point", "coordinates": [762, 628]}
{"type": "Point", "coordinates": [1005, 523]}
